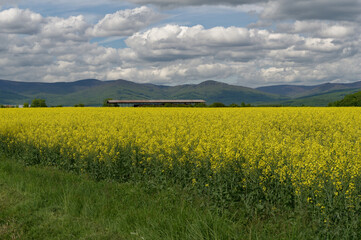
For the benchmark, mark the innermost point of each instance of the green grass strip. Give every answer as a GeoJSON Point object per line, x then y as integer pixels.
{"type": "Point", "coordinates": [46, 203]}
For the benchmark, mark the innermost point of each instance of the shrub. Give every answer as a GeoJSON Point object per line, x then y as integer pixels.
{"type": "Point", "coordinates": [217, 104]}
{"type": "Point", "coordinates": [38, 103]}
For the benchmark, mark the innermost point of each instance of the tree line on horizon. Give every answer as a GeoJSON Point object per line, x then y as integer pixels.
{"type": "Point", "coordinates": [349, 100]}
{"type": "Point", "coordinates": [37, 102]}
{"type": "Point", "coordinates": [215, 104]}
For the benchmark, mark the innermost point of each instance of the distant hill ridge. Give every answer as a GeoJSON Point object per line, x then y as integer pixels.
{"type": "Point", "coordinates": [92, 92]}
{"type": "Point", "coordinates": [296, 91]}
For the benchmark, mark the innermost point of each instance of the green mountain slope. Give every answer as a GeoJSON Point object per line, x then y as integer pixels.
{"type": "Point", "coordinates": [285, 90]}
{"type": "Point", "coordinates": [299, 91]}
{"type": "Point", "coordinates": [213, 91]}
{"type": "Point", "coordinates": [7, 97]}
{"type": "Point", "coordinates": [348, 101]}
{"type": "Point", "coordinates": [92, 92]}
{"type": "Point", "coordinates": [322, 99]}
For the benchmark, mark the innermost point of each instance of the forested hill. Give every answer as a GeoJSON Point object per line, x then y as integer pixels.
{"type": "Point", "coordinates": [348, 101]}
{"type": "Point", "coordinates": [92, 92]}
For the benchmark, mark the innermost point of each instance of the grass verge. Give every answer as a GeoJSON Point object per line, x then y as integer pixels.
{"type": "Point", "coordinates": [46, 203]}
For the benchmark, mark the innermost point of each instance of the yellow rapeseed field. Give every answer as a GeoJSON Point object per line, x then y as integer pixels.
{"type": "Point", "coordinates": [314, 152]}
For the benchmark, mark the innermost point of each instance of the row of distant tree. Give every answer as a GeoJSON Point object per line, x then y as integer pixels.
{"type": "Point", "coordinates": [348, 100]}
{"type": "Point", "coordinates": [37, 102]}
{"type": "Point", "coordinates": [198, 105]}
{"type": "Point", "coordinates": [216, 104]}
{"type": "Point", "coordinates": [41, 103]}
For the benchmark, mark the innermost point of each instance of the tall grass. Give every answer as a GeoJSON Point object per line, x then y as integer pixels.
{"type": "Point", "coordinates": [46, 203]}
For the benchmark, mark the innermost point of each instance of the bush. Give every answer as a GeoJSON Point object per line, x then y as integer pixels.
{"type": "Point", "coordinates": [106, 104]}
{"type": "Point", "coordinates": [217, 104]}
{"type": "Point", "coordinates": [200, 105]}
{"type": "Point", "coordinates": [38, 103]}
{"type": "Point", "coordinates": [245, 105]}
{"type": "Point", "coordinates": [233, 105]}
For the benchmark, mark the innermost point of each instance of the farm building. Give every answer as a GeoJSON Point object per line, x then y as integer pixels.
{"type": "Point", "coordinates": [139, 103]}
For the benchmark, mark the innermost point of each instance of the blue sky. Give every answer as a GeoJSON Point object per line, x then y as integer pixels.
{"type": "Point", "coordinates": [243, 42]}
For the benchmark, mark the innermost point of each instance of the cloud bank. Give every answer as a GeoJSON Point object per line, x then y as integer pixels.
{"type": "Point", "coordinates": [176, 3]}
{"type": "Point", "coordinates": [306, 46]}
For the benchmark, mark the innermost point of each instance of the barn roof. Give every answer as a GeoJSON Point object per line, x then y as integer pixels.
{"type": "Point", "coordinates": [154, 101]}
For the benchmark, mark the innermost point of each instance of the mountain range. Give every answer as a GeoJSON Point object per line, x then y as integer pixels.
{"type": "Point", "coordinates": [92, 92]}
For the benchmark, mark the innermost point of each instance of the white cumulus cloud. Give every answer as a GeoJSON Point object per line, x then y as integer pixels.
{"type": "Point", "coordinates": [173, 42]}
{"type": "Point", "coordinates": [306, 50]}
{"type": "Point", "coordinates": [72, 28]}
{"type": "Point", "coordinates": [19, 21]}
{"type": "Point", "coordinates": [323, 29]}
{"type": "Point", "coordinates": [125, 22]}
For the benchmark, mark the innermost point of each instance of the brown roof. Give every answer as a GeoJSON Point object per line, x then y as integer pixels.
{"type": "Point", "coordinates": [156, 101]}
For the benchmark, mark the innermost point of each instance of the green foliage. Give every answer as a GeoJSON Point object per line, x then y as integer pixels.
{"type": "Point", "coordinates": [38, 103]}
{"type": "Point", "coordinates": [54, 204]}
{"type": "Point", "coordinates": [106, 104]}
{"type": "Point", "coordinates": [201, 105]}
{"type": "Point", "coordinates": [79, 105]}
{"type": "Point", "coordinates": [246, 205]}
{"type": "Point", "coordinates": [233, 105]}
{"type": "Point", "coordinates": [348, 101]}
{"type": "Point", "coordinates": [26, 105]}
{"type": "Point", "coordinates": [320, 99]}
{"type": "Point", "coordinates": [168, 105]}
{"type": "Point", "coordinates": [45, 203]}
{"type": "Point", "coordinates": [245, 105]}
{"type": "Point", "coordinates": [217, 104]}
{"type": "Point", "coordinates": [183, 105]}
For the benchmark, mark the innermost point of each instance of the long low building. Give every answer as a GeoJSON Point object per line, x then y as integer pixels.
{"type": "Point", "coordinates": [137, 103]}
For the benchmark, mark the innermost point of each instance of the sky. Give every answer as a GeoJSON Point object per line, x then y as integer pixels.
{"type": "Point", "coordinates": [170, 42]}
